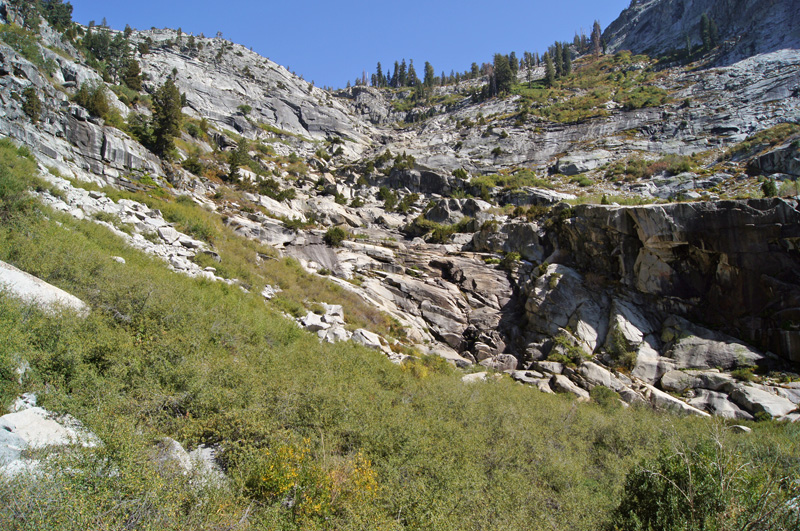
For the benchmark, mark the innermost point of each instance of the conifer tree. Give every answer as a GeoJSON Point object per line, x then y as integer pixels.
{"type": "Point", "coordinates": [57, 13]}
{"type": "Point", "coordinates": [166, 117]}
{"type": "Point", "coordinates": [132, 76]}
{"type": "Point", "coordinates": [558, 60]}
{"type": "Point", "coordinates": [429, 75]}
{"type": "Point", "coordinates": [402, 76]}
{"type": "Point", "coordinates": [705, 32]}
{"type": "Point", "coordinates": [502, 77]}
{"type": "Point", "coordinates": [513, 62]}
{"type": "Point", "coordinates": [411, 77]}
{"type": "Point", "coordinates": [597, 37]}
{"type": "Point", "coordinates": [566, 59]}
{"type": "Point", "coordinates": [379, 76]}
{"type": "Point", "coordinates": [550, 70]}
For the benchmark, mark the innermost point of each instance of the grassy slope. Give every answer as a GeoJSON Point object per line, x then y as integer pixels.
{"type": "Point", "coordinates": [312, 435]}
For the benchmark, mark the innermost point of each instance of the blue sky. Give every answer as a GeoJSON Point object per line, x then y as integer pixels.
{"type": "Point", "coordinates": [332, 42]}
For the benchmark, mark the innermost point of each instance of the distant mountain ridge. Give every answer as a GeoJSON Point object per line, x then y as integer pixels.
{"type": "Point", "coordinates": [746, 27]}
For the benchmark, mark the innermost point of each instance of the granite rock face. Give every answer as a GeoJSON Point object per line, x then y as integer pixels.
{"type": "Point", "coordinates": [746, 27]}
{"type": "Point", "coordinates": [731, 264]}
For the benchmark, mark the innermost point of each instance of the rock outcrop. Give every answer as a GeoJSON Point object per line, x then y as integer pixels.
{"type": "Point", "coordinates": [730, 264]}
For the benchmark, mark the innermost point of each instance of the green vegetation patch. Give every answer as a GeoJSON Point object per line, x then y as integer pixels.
{"type": "Point", "coordinates": [622, 78]}
{"type": "Point", "coordinates": [763, 140]}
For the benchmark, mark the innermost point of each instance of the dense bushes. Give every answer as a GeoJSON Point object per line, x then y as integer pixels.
{"type": "Point", "coordinates": [637, 168]}
{"type": "Point", "coordinates": [706, 485]}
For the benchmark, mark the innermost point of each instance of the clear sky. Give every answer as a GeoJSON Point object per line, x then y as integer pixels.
{"type": "Point", "coordinates": [331, 42]}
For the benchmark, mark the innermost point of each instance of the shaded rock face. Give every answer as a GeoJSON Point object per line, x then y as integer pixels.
{"type": "Point", "coordinates": [748, 27]}
{"type": "Point", "coordinates": [734, 265]}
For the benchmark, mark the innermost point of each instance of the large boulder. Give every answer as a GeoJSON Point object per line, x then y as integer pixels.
{"type": "Point", "coordinates": [36, 291]}
{"type": "Point", "coordinates": [719, 405]}
{"type": "Point", "coordinates": [576, 163]}
{"type": "Point", "coordinates": [692, 346]}
{"type": "Point", "coordinates": [756, 401]}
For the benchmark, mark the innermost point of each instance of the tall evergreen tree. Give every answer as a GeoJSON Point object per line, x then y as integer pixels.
{"type": "Point", "coordinates": [429, 76]}
{"type": "Point", "coordinates": [132, 76]}
{"type": "Point", "coordinates": [714, 32]}
{"type": "Point", "coordinates": [597, 38]}
{"type": "Point", "coordinates": [513, 62]}
{"type": "Point", "coordinates": [709, 32]}
{"type": "Point", "coordinates": [402, 76]}
{"type": "Point", "coordinates": [549, 70]}
{"type": "Point", "coordinates": [379, 76]}
{"type": "Point", "coordinates": [412, 78]}
{"type": "Point", "coordinates": [166, 117]}
{"type": "Point", "coordinates": [705, 32]}
{"type": "Point", "coordinates": [558, 59]}
{"type": "Point", "coordinates": [502, 73]}
{"type": "Point", "coordinates": [566, 59]}
{"type": "Point", "coordinates": [396, 75]}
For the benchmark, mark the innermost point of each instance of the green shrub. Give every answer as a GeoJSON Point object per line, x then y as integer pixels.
{"type": "Point", "coordinates": [702, 485]}
{"type": "Point", "coordinates": [581, 180]}
{"type": "Point", "coordinates": [460, 173]}
{"type": "Point", "coordinates": [605, 397]}
{"type": "Point", "coordinates": [510, 261]}
{"type": "Point", "coordinates": [389, 198]}
{"type": "Point", "coordinates": [769, 188]}
{"type": "Point", "coordinates": [334, 236]}
{"type": "Point", "coordinates": [31, 105]}
{"type": "Point", "coordinates": [763, 140]}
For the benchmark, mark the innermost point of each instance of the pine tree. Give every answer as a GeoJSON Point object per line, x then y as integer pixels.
{"type": "Point", "coordinates": [705, 32]}
{"type": "Point", "coordinates": [566, 59]}
{"type": "Point", "coordinates": [166, 117]}
{"type": "Point", "coordinates": [412, 78]}
{"type": "Point", "coordinates": [429, 75]}
{"type": "Point", "coordinates": [402, 76]}
{"type": "Point", "coordinates": [558, 60]}
{"type": "Point", "coordinates": [709, 32]}
{"type": "Point", "coordinates": [597, 37]}
{"type": "Point", "coordinates": [549, 69]}
{"type": "Point", "coordinates": [513, 62]}
{"type": "Point", "coordinates": [503, 75]}
{"type": "Point", "coordinates": [132, 76]}
{"type": "Point", "coordinates": [379, 76]}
